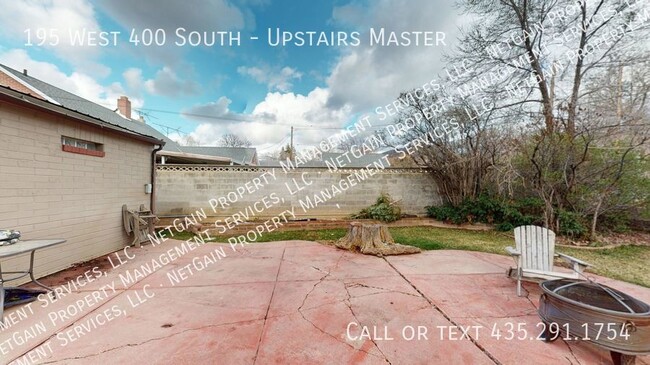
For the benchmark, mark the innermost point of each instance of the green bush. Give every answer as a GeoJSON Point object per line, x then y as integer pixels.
{"type": "Point", "coordinates": [383, 210]}
{"type": "Point", "coordinates": [505, 227]}
{"type": "Point", "coordinates": [445, 213]}
{"type": "Point", "coordinates": [530, 206]}
{"type": "Point", "coordinates": [618, 222]}
{"type": "Point", "coordinates": [487, 209]}
{"type": "Point", "coordinates": [570, 224]}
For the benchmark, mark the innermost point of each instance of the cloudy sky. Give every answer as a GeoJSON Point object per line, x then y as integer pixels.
{"type": "Point", "coordinates": [255, 89]}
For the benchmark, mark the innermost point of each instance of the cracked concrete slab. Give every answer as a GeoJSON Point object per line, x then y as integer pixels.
{"type": "Point", "coordinates": [302, 302]}
{"type": "Point", "coordinates": [406, 328]}
{"type": "Point", "coordinates": [164, 316]}
{"type": "Point", "coordinates": [525, 346]}
{"type": "Point", "coordinates": [465, 295]}
{"type": "Point", "coordinates": [53, 315]}
{"type": "Point", "coordinates": [228, 344]}
{"type": "Point", "coordinates": [293, 339]}
{"type": "Point", "coordinates": [447, 263]}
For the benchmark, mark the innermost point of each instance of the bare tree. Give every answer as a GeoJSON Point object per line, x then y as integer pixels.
{"type": "Point", "coordinates": [459, 149]}
{"type": "Point", "coordinates": [188, 140]}
{"type": "Point", "coordinates": [618, 120]}
{"type": "Point", "coordinates": [602, 168]}
{"type": "Point", "coordinates": [544, 62]}
{"type": "Point", "coordinates": [287, 153]}
{"type": "Point", "coordinates": [605, 189]}
{"type": "Point", "coordinates": [620, 93]}
{"type": "Point", "coordinates": [543, 50]}
{"type": "Point", "coordinates": [233, 140]}
{"type": "Point", "coordinates": [349, 142]}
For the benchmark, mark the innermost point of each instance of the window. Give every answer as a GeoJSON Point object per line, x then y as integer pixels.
{"type": "Point", "coordinates": [82, 147]}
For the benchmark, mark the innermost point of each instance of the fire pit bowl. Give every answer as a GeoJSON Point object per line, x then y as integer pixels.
{"type": "Point", "coordinates": [584, 310]}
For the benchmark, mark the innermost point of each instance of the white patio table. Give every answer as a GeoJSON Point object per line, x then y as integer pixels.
{"type": "Point", "coordinates": [18, 248]}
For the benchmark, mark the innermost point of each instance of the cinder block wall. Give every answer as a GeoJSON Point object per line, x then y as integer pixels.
{"type": "Point", "coordinates": [48, 193]}
{"type": "Point", "coordinates": [183, 190]}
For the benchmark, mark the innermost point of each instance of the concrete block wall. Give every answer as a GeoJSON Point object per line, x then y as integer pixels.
{"type": "Point", "coordinates": [182, 190]}
{"type": "Point", "coordinates": [49, 193]}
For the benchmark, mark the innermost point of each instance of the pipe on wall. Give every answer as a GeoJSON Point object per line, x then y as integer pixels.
{"type": "Point", "coordinates": [152, 198]}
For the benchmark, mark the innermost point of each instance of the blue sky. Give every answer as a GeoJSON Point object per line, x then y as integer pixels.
{"type": "Point", "coordinates": [254, 90]}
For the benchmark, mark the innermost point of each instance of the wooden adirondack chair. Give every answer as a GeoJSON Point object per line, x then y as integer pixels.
{"type": "Point", "coordinates": [534, 256]}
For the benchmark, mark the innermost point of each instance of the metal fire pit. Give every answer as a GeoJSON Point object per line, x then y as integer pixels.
{"type": "Point", "coordinates": [584, 310]}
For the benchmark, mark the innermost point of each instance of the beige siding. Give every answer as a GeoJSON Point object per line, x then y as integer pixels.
{"type": "Point", "coordinates": [48, 193]}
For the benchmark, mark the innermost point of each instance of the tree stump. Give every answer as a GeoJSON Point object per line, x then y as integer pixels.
{"type": "Point", "coordinates": [372, 239]}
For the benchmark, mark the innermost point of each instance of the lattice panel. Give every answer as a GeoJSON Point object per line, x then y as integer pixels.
{"type": "Point", "coordinates": [257, 169]}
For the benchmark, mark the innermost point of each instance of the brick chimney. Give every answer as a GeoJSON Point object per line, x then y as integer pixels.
{"type": "Point", "coordinates": [124, 106]}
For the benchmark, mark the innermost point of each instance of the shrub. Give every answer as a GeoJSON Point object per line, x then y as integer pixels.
{"type": "Point", "coordinates": [487, 209]}
{"type": "Point", "coordinates": [445, 213]}
{"type": "Point", "coordinates": [504, 227]}
{"type": "Point", "coordinates": [618, 222]}
{"type": "Point", "coordinates": [507, 215]}
{"type": "Point", "coordinates": [383, 210]}
{"type": "Point", "coordinates": [530, 206]}
{"type": "Point", "coordinates": [570, 224]}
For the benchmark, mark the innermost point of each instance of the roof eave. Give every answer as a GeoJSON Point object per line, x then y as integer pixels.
{"type": "Point", "coordinates": [29, 101]}
{"type": "Point", "coordinates": [193, 156]}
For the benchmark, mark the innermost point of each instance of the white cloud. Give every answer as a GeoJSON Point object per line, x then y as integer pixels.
{"type": "Point", "coordinates": [167, 83]}
{"type": "Point", "coordinates": [366, 77]}
{"type": "Point", "coordinates": [134, 81]}
{"type": "Point", "coordinates": [56, 19]}
{"type": "Point", "coordinates": [362, 79]}
{"type": "Point", "coordinates": [271, 120]}
{"type": "Point", "coordinates": [212, 111]}
{"type": "Point", "coordinates": [280, 80]}
{"type": "Point", "coordinates": [78, 83]}
{"type": "Point", "coordinates": [172, 14]}
{"type": "Point", "coordinates": [169, 15]}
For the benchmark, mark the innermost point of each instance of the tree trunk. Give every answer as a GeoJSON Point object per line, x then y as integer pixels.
{"type": "Point", "coordinates": [619, 96]}
{"type": "Point", "coordinates": [594, 220]}
{"type": "Point", "coordinates": [372, 239]}
{"type": "Point", "coordinates": [577, 76]}
{"type": "Point", "coordinates": [535, 63]}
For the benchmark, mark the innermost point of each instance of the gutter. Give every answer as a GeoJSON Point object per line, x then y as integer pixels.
{"type": "Point", "coordinates": [152, 201]}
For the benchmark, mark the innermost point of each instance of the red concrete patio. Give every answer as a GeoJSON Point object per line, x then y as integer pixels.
{"type": "Point", "coordinates": [294, 302]}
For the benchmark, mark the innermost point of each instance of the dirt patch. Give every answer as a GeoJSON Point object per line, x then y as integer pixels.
{"type": "Point", "coordinates": [73, 272]}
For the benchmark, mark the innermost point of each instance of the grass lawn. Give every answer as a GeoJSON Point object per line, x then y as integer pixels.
{"type": "Point", "coordinates": [627, 263]}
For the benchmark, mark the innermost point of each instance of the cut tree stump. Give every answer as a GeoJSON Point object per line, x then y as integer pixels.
{"type": "Point", "coordinates": [372, 239]}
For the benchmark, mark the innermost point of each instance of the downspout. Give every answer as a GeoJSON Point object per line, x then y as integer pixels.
{"type": "Point", "coordinates": [152, 201]}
